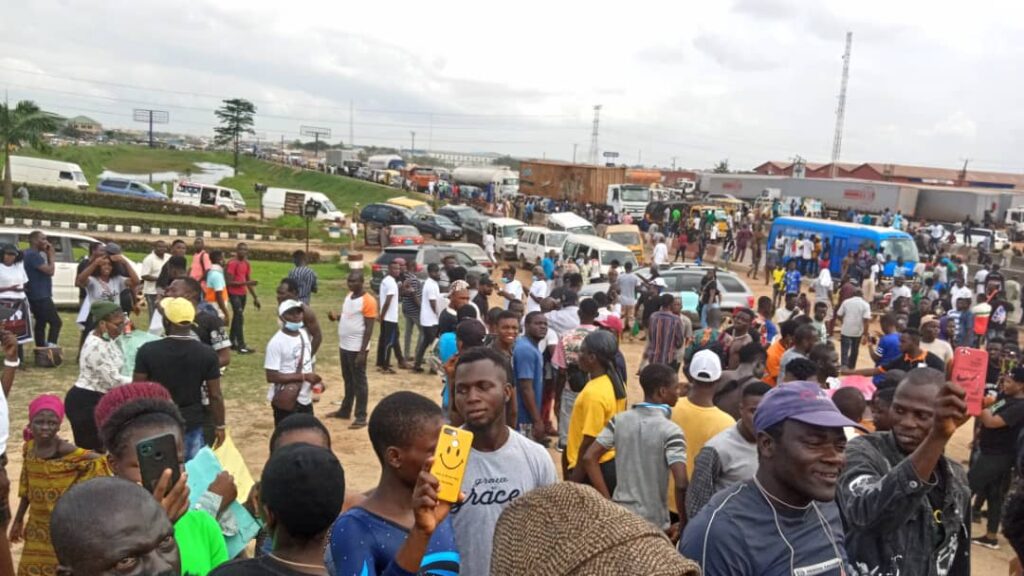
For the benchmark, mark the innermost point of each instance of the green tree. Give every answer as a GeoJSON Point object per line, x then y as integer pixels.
{"type": "Point", "coordinates": [506, 161]}
{"type": "Point", "coordinates": [236, 119]}
{"type": "Point", "coordinates": [23, 125]}
{"type": "Point", "coordinates": [722, 167]}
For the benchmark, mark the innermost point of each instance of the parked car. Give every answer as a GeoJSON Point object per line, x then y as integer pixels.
{"type": "Point", "coordinates": [418, 257]}
{"type": "Point", "coordinates": [126, 187]}
{"type": "Point", "coordinates": [459, 213]}
{"type": "Point", "coordinates": [997, 239]}
{"type": "Point", "coordinates": [475, 252]}
{"type": "Point", "coordinates": [536, 242]}
{"type": "Point", "coordinates": [687, 277]}
{"type": "Point", "coordinates": [505, 231]}
{"type": "Point", "coordinates": [436, 226]}
{"type": "Point", "coordinates": [404, 235]}
{"type": "Point", "coordinates": [385, 214]}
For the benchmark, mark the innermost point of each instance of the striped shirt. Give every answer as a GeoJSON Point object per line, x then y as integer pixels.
{"type": "Point", "coordinates": [409, 306]}
{"type": "Point", "coordinates": [664, 337]}
{"type": "Point", "coordinates": [306, 279]}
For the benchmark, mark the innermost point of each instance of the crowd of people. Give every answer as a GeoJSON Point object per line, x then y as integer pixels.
{"type": "Point", "coordinates": [760, 446]}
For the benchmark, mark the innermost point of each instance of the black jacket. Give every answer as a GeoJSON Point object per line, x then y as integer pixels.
{"type": "Point", "coordinates": [891, 527]}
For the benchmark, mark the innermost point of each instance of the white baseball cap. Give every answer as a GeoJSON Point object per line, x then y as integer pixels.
{"type": "Point", "coordinates": [288, 305]}
{"type": "Point", "coordinates": [705, 366]}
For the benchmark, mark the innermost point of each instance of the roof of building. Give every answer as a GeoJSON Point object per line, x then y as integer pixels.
{"type": "Point", "coordinates": [82, 120]}
{"type": "Point", "coordinates": [925, 174]}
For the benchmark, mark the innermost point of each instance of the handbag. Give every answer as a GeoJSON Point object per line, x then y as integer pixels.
{"type": "Point", "coordinates": [49, 357]}
{"type": "Point", "coordinates": [286, 396]}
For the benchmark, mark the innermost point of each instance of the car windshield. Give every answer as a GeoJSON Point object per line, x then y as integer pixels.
{"type": "Point", "coordinates": [625, 238]}
{"type": "Point", "coordinates": [588, 230]}
{"type": "Point", "coordinates": [79, 177]}
{"type": "Point", "coordinates": [608, 256]}
{"type": "Point", "coordinates": [510, 231]}
{"type": "Point", "coordinates": [900, 248]}
{"type": "Point", "coordinates": [443, 220]}
{"type": "Point", "coordinates": [404, 231]}
{"type": "Point", "coordinates": [328, 206]}
{"type": "Point", "coordinates": [636, 194]}
{"type": "Point", "coordinates": [556, 238]}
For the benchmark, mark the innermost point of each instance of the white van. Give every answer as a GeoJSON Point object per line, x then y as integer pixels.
{"type": "Point", "coordinates": [42, 172]}
{"type": "Point", "coordinates": [571, 223]}
{"type": "Point", "coordinates": [506, 235]}
{"type": "Point", "coordinates": [278, 201]}
{"type": "Point", "coordinates": [68, 248]}
{"type": "Point", "coordinates": [586, 247]}
{"type": "Point", "coordinates": [227, 200]}
{"type": "Point", "coordinates": [535, 242]}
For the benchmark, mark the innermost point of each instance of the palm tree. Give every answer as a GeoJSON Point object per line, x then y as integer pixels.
{"type": "Point", "coordinates": [23, 125]}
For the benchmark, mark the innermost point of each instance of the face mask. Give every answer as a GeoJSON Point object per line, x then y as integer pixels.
{"type": "Point", "coordinates": [293, 326]}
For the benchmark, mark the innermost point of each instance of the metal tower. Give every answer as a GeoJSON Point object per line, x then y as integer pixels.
{"type": "Point", "coordinates": [592, 156]}
{"type": "Point", "coordinates": [837, 138]}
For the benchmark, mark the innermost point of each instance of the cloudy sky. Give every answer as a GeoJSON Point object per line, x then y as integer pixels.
{"type": "Point", "coordinates": [933, 83]}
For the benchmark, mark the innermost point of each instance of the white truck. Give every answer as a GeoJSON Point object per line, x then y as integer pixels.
{"type": "Point", "coordinates": [226, 200]}
{"type": "Point", "coordinates": [42, 172]}
{"type": "Point", "coordinates": [1015, 222]}
{"type": "Point", "coordinates": [278, 201]}
{"type": "Point", "coordinates": [630, 199]}
{"type": "Point", "coordinates": [502, 180]}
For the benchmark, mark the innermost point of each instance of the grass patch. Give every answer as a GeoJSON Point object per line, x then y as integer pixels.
{"type": "Point", "coordinates": [81, 210]}
{"type": "Point", "coordinates": [124, 159]}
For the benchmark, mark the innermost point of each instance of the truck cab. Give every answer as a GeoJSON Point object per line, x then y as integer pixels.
{"type": "Point", "coordinates": [630, 199]}
{"type": "Point", "coordinates": [1015, 222]}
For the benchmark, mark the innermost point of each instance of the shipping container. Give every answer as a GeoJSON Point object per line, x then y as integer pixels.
{"type": "Point", "coordinates": [572, 182]}
{"type": "Point", "coordinates": [643, 176]}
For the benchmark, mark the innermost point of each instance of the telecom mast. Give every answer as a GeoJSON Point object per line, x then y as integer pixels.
{"type": "Point", "coordinates": [592, 156]}
{"type": "Point", "coordinates": [837, 138]}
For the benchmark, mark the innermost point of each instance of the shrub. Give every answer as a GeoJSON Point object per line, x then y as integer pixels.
{"type": "Point", "coordinates": [118, 202]}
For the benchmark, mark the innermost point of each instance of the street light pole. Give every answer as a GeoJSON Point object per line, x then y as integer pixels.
{"type": "Point", "coordinates": [412, 150]}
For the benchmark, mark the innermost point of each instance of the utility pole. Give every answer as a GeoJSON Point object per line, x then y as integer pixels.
{"type": "Point", "coordinates": [412, 150]}
{"type": "Point", "coordinates": [963, 173]}
{"type": "Point", "coordinates": [674, 163]}
{"type": "Point", "coordinates": [574, 153]}
{"type": "Point", "coordinates": [351, 127]}
{"type": "Point", "coordinates": [837, 138]}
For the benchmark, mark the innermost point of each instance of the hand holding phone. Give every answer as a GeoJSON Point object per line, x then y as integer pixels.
{"type": "Point", "coordinates": [450, 460]}
{"type": "Point", "coordinates": [156, 455]}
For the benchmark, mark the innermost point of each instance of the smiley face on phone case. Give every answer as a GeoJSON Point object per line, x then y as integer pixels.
{"type": "Point", "coordinates": [450, 460]}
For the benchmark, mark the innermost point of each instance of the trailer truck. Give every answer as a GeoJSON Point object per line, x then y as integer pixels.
{"type": "Point", "coordinates": [501, 180]}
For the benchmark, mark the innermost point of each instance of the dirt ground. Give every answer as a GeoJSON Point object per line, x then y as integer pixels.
{"type": "Point", "coordinates": [250, 424]}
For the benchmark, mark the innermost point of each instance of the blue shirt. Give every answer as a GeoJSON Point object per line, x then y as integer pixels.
{"type": "Point", "coordinates": [365, 544]}
{"type": "Point", "coordinates": [446, 348]}
{"type": "Point", "coordinates": [889, 349]}
{"type": "Point", "coordinates": [528, 364]}
{"type": "Point", "coordinates": [791, 281]}
{"type": "Point", "coordinates": [39, 285]}
{"type": "Point", "coordinates": [549, 267]}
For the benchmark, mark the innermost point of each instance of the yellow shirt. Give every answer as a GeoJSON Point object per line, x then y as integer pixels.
{"type": "Point", "coordinates": [699, 425]}
{"type": "Point", "coordinates": [777, 275]}
{"type": "Point", "coordinates": [594, 407]}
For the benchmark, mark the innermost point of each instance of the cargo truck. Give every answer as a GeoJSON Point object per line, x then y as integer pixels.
{"type": "Point", "coordinates": [500, 180]}
{"type": "Point", "coordinates": [385, 162]}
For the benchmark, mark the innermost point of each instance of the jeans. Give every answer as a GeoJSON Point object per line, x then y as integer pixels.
{"type": "Point", "coordinates": [989, 477]}
{"type": "Point", "coordinates": [427, 336]}
{"type": "Point", "coordinates": [849, 347]}
{"type": "Point", "coordinates": [356, 388]}
{"type": "Point", "coordinates": [45, 314]}
{"type": "Point", "coordinates": [412, 325]}
{"type": "Point", "coordinates": [237, 320]}
{"type": "Point", "coordinates": [194, 442]}
{"type": "Point", "coordinates": [564, 414]}
{"type": "Point", "coordinates": [387, 341]}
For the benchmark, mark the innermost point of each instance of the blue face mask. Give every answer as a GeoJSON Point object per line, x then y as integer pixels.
{"type": "Point", "coordinates": [294, 326]}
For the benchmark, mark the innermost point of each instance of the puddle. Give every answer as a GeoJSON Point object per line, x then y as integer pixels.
{"type": "Point", "coordinates": [209, 173]}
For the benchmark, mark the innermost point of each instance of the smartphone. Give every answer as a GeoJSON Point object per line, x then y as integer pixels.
{"type": "Point", "coordinates": [970, 367]}
{"type": "Point", "coordinates": [450, 461]}
{"type": "Point", "coordinates": [157, 454]}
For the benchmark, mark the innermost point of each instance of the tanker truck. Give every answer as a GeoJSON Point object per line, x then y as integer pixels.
{"type": "Point", "coordinates": [500, 179]}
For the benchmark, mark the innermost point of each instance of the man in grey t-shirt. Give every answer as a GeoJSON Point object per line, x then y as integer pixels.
{"type": "Point", "coordinates": [503, 465]}
{"type": "Point", "coordinates": [855, 315]}
{"type": "Point", "coordinates": [628, 283]}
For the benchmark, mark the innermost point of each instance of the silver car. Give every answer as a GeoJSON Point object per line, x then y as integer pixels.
{"type": "Point", "coordinates": [687, 278]}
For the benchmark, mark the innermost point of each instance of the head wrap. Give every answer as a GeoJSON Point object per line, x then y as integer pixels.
{"type": "Point", "coordinates": [43, 402]}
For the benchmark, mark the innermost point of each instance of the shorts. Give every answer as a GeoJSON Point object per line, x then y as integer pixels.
{"type": "Point", "coordinates": [627, 313]}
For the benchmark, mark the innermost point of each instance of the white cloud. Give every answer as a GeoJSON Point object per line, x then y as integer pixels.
{"type": "Point", "coordinates": [751, 80]}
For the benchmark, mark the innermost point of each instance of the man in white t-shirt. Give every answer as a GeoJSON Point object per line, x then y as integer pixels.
{"type": "Point", "coordinates": [979, 279]}
{"type": "Point", "coordinates": [389, 304]}
{"type": "Point", "coordinates": [899, 290]}
{"type": "Point", "coordinates": [959, 291]}
{"type": "Point", "coordinates": [660, 256]}
{"type": "Point", "coordinates": [289, 362]}
{"type": "Point", "coordinates": [430, 303]}
{"type": "Point", "coordinates": [489, 245]}
{"type": "Point", "coordinates": [538, 290]}
{"type": "Point", "coordinates": [152, 264]}
{"type": "Point", "coordinates": [513, 289]}
{"type": "Point", "coordinates": [502, 464]}
{"type": "Point", "coordinates": [355, 328]}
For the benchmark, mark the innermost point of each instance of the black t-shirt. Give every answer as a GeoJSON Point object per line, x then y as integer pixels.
{"type": "Point", "coordinates": [262, 566]}
{"type": "Point", "coordinates": [905, 363]}
{"type": "Point", "coordinates": [482, 305]}
{"type": "Point", "coordinates": [447, 322]}
{"type": "Point", "coordinates": [210, 329]}
{"type": "Point", "coordinates": [181, 365]}
{"type": "Point", "coordinates": [1003, 440]}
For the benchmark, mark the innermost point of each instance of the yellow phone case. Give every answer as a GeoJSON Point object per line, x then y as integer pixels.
{"type": "Point", "coordinates": [450, 461]}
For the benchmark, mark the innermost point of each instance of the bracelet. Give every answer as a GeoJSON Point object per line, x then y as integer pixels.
{"type": "Point", "coordinates": [12, 363]}
{"type": "Point", "coordinates": [222, 427]}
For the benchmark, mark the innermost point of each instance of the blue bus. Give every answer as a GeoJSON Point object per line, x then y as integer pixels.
{"type": "Point", "coordinates": [847, 236]}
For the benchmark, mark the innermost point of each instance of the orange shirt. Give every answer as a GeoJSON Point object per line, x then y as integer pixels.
{"type": "Point", "coordinates": [771, 367]}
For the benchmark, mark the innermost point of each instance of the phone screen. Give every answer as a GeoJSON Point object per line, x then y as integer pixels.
{"type": "Point", "coordinates": [450, 459]}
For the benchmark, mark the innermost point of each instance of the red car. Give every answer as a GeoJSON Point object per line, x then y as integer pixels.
{"type": "Point", "coordinates": [402, 235]}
